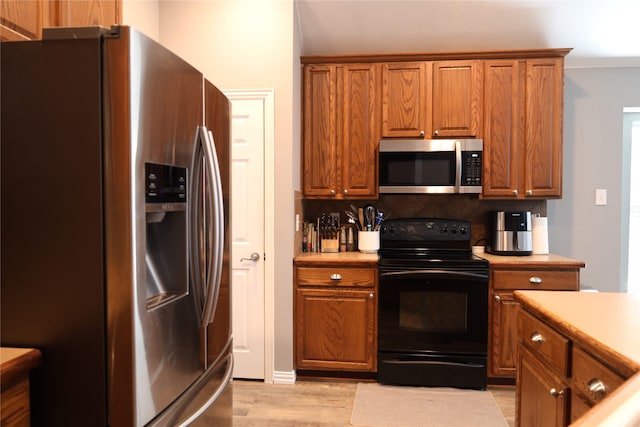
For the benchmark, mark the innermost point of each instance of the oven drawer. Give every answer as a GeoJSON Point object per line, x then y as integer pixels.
{"type": "Point", "coordinates": [544, 342]}
{"type": "Point", "coordinates": [335, 276]}
{"type": "Point", "coordinates": [549, 280]}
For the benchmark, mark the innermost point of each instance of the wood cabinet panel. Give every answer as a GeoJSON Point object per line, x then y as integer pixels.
{"type": "Point", "coordinates": [503, 339]}
{"type": "Point", "coordinates": [338, 276]}
{"type": "Point", "coordinates": [336, 329]}
{"type": "Point", "coordinates": [340, 131]}
{"type": "Point", "coordinates": [592, 378]}
{"type": "Point", "coordinates": [457, 98]}
{"type": "Point", "coordinates": [544, 343]}
{"type": "Point", "coordinates": [335, 313]}
{"type": "Point", "coordinates": [78, 13]}
{"type": "Point", "coordinates": [523, 130]}
{"type": "Point", "coordinates": [24, 20]}
{"type": "Point", "coordinates": [404, 97]}
{"type": "Point", "coordinates": [542, 398]}
{"type": "Point", "coordinates": [21, 20]}
{"type": "Point", "coordinates": [548, 280]}
{"type": "Point", "coordinates": [503, 127]}
{"type": "Point", "coordinates": [320, 136]}
{"type": "Point", "coordinates": [544, 117]}
{"type": "Point", "coordinates": [359, 133]}
{"type": "Point", "coordinates": [503, 342]}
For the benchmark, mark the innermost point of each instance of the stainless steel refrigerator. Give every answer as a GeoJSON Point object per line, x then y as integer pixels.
{"type": "Point", "coordinates": [115, 209]}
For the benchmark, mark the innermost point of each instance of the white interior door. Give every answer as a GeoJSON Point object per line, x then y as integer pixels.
{"type": "Point", "coordinates": [247, 235]}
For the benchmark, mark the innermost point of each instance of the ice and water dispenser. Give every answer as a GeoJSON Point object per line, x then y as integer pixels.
{"type": "Point", "coordinates": [166, 233]}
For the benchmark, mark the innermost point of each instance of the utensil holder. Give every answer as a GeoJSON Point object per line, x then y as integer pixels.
{"type": "Point", "coordinates": [368, 241]}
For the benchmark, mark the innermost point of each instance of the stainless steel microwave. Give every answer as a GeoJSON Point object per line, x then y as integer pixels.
{"type": "Point", "coordinates": [441, 166]}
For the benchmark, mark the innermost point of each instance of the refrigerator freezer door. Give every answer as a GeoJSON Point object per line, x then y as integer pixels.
{"type": "Point", "coordinates": [150, 119]}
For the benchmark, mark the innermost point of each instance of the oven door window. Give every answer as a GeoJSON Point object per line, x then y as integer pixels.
{"type": "Point", "coordinates": [424, 314]}
{"type": "Point", "coordinates": [436, 168]}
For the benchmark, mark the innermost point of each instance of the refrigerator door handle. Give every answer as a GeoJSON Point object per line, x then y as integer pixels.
{"type": "Point", "coordinates": [216, 227]}
{"type": "Point", "coordinates": [201, 206]}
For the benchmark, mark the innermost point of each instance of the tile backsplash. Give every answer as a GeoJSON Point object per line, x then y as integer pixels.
{"type": "Point", "coordinates": [456, 206]}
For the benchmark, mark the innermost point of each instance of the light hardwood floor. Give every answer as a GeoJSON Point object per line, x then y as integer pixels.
{"type": "Point", "coordinates": [314, 404]}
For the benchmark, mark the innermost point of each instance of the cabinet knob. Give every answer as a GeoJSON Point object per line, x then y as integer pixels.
{"type": "Point", "coordinates": [421, 133]}
{"type": "Point", "coordinates": [336, 276]}
{"type": "Point", "coordinates": [555, 392]}
{"type": "Point", "coordinates": [535, 280]}
{"type": "Point", "coordinates": [537, 338]}
{"type": "Point", "coordinates": [497, 298]}
{"type": "Point", "coordinates": [436, 133]}
{"type": "Point", "coordinates": [333, 191]}
{"type": "Point", "coordinates": [598, 388]}
{"type": "Point", "coordinates": [371, 295]}
{"type": "Point", "coordinates": [345, 191]}
{"type": "Point", "coordinates": [515, 192]}
{"type": "Point", "coordinates": [529, 192]}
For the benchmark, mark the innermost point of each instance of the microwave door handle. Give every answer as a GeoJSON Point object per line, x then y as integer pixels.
{"type": "Point", "coordinates": [458, 166]}
{"type": "Point", "coordinates": [196, 222]}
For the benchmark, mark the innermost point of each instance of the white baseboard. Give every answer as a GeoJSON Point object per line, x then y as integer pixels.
{"type": "Point", "coordinates": [284, 377]}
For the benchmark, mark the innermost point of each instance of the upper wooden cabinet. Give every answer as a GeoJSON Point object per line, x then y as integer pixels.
{"type": "Point", "coordinates": [24, 20]}
{"type": "Point", "coordinates": [432, 99]}
{"type": "Point", "coordinates": [340, 131]}
{"type": "Point", "coordinates": [523, 116]}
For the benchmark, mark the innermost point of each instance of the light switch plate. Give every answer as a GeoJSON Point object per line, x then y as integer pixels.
{"type": "Point", "coordinates": [601, 196]}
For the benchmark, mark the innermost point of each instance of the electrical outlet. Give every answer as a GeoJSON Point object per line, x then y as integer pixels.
{"type": "Point", "coordinates": [601, 196]}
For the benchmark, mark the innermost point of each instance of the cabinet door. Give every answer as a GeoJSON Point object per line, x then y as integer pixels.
{"type": "Point", "coordinates": [404, 99]}
{"type": "Point", "coordinates": [319, 141]}
{"type": "Point", "coordinates": [457, 98]}
{"type": "Point", "coordinates": [503, 148]}
{"type": "Point", "coordinates": [543, 135]}
{"type": "Point", "coordinates": [503, 340]}
{"type": "Point", "coordinates": [336, 329]}
{"type": "Point", "coordinates": [358, 131]}
{"type": "Point", "coordinates": [78, 13]}
{"type": "Point", "coordinates": [21, 20]}
{"type": "Point", "coordinates": [543, 398]}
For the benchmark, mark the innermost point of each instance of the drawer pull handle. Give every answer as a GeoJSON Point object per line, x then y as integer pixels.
{"type": "Point", "coordinates": [555, 392]}
{"type": "Point", "coordinates": [535, 279]}
{"type": "Point", "coordinates": [598, 388]}
{"type": "Point", "coordinates": [537, 338]}
{"type": "Point", "coordinates": [336, 276]}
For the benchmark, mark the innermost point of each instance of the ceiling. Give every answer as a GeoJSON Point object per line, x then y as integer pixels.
{"type": "Point", "coordinates": [601, 32]}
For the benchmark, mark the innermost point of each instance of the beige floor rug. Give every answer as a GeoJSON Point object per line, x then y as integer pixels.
{"type": "Point", "coordinates": [378, 405]}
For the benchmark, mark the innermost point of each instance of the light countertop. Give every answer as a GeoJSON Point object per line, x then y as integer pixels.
{"type": "Point", "coordinates": [336, 257]}
{"type": "Point", "coordinates": [17, 362]}
{"type": "Point", "coordinates": [531, 261]}
{"type": "Point", "coordinates": [610, 324]}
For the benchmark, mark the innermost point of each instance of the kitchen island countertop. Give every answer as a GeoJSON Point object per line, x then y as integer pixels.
{"type": "Point", "coordinates": [609, 324]}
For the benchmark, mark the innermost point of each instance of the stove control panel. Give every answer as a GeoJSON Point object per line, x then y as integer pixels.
{"type": "Point", "coordinates": [425, 229]}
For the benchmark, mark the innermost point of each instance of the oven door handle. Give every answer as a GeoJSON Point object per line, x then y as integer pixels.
{"type": "Point", "coordinates": [435, 274]}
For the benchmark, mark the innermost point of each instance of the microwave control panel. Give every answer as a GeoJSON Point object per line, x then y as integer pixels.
{"type": "Point", "coordinates": [471, 168]}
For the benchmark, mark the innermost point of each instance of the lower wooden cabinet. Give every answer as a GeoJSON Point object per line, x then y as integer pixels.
{"type": "Point", "coordinates": [504, 281]}
{"type": "Point", "coordinates": [335, 318]}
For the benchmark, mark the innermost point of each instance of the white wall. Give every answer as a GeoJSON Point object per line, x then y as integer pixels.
{"type": "Point", "coordinates": [593, 158]}
{"type": "Point", "coordinates": [144, 15]}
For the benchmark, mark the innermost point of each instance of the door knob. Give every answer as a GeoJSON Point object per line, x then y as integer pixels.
{"type": "Point", "coordinates": [254, 257]}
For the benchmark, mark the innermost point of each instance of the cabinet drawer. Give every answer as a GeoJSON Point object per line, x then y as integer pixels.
{"type": "Point", "coordinates": [549, 280]}
{"type": "Point", "coordinates": [544, 342]}
{"type": "Point", "coordinates": [591, 378]}
{"type": "Point", "coordinates": [338, 276]}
